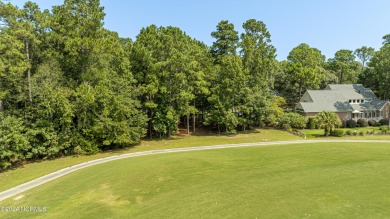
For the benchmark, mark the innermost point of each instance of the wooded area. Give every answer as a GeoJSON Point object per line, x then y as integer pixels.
{"type": "Point", "coordinates": [70, 86]}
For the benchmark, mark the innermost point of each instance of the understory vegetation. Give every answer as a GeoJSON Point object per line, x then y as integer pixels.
{"type": "Point", "coordinates": [69, 86]}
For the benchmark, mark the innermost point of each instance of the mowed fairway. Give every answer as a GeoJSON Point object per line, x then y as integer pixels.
{"type": "Point", "coordinates": [329, 180]}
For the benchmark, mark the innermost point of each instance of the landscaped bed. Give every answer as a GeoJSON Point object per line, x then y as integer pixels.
{"type": "Point", "coordinates": [359, 131]}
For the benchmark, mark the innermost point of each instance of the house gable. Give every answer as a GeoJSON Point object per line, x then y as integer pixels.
{"type": "Point", "coordinates": [342, 98]}
{"type": "Point", "coordinates": [306, 98]}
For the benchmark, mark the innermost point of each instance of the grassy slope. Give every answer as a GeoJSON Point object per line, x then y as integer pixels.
{"type": "Point", "coordinates": [327, 180]}
{"type": "Point", "coordinates": [31, 171]}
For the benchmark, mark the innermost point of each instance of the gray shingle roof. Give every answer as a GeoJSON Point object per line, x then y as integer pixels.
{"type": "Point", "coordinates": [335, 98]}
{"type": "Point", "coordinates": [353, 91]}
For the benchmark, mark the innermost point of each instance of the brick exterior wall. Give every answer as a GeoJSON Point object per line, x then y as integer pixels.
{"type": "Point", "coordinates": [342, 115]}
{"type": "Point", "coordinates": [386, 111]}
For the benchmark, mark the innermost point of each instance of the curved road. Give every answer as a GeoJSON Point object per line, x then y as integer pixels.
{"type": "Point", "coordinates": [52, 176]}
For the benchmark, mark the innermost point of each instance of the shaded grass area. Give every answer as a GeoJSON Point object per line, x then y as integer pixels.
{"type": "Point", "coordinates": [31, 171]}
{"type": "Point", "coordinates": [324, 180]}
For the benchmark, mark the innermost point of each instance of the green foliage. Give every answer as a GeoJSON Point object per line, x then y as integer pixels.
{"type": "Point", "coordinates": [380, 64]}
{"type": "Point", "coordinates": [226, 95]}
{"type": "Point", "coordinates": [362, 122]}
{"type": "Point", "coordinates": [303, 70]}
{"type": "Point", "coordinates": [345, 66]}
{"type": "Point", "coordinates": [372, 123]}
{"type": "Point", "coordinates": [338, 133]}
{"type": "Point", "coordinates": [68, 82]}
{"type": "Point", "coordinates": [351, 123]}
{"type": "Point", "coordinates": [14, 145]}
{"type": "Point", "coordinates": [384, 129]}
{"type": "Point", "coordinates": [328, 121]}
{"type": "Point", "coordinates": [170, 70]}
{"type": "Point", "coordinates": [384, 122]}
{"type": "Point", "coordinates": [226, 40]}
{"type": "Point", "coordinates": [276, 110]}
{"type": "Point", "coordinates": [386, 39]}
{"type": "Point", "coordinates": [311, 122]}
{"type": "Point", "coordinates": [364, 54]}
{"type": "Point", "coordinates": [293, 120]}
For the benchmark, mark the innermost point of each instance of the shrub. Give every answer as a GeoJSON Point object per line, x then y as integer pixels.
{"type": "Point", "coordinates": [294, 120]}
{"type": "Point", "coordinates": [362, 122]}
{"type": "Point", "coordinates": [361, 133]}
{"type": "Point", "coordinates": [384, 129]}
{"type": "Point", "coordinates": [348, 132]}
{"type": "Point", "coordinates": [384, 122]}
{"type": "Point", "coordinates": [13, 142]}
{"type": "Point", "coordinates": [311, 124]}
{"type": "Point", "coordinates": [287, 127]}
{"type": "Point", "coordinates": [372, 123]}
{"type": "Point", "coordinates": [338, 133]}
{"type": "Point", "coordinates": [351, 123]}
{"type": "Point", "coordinates": [343, 124]}
{"type": "Point", "coordinates": [354, 133]}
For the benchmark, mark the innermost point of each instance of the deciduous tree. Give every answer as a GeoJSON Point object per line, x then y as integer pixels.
{"type": "Point", "coordinates": [364, 54]}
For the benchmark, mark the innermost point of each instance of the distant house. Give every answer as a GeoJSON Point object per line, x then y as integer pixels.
{"type": "Point", "coordinates": [348, 101]}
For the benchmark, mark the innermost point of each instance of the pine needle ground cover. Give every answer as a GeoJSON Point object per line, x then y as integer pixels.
{"type": "Point", "coordinates": [323, 180]}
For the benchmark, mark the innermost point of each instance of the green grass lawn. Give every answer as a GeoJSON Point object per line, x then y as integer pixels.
{"type": "Point", "coordinates": [315, 133]}
{"type": "Point", "coordinates": [324, 180]}
{"type": "Point", "coordinates": [31, 171]}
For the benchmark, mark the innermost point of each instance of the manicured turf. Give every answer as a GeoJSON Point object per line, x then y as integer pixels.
{"type": "Point", "coordinates": [315, 133]}
{"type": "Point", "coordinates": [324, 180]}
{"type": "Point", "coordinates": [31, 171]}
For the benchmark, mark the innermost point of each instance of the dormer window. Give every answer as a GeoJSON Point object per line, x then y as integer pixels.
{"type": "Point", "coordinates": [350, 101]}
{"type": "Point", "coordinates": [362, 101]}
{"type": "Point", "coordinates": [358, 101]}
{"type": "Point", "coordinates": [354, 101]}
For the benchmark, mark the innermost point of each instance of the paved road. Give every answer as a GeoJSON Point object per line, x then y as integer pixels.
{"type": "Point", "coordinates": [52, 176]}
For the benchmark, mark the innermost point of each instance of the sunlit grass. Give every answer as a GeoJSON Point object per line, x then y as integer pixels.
{"type": "Point", "coordinates": [324, 180]}
{"type": "Point", "coordinates": [31, 171]}
{"type": "Point", "coordinates": [315, 133]}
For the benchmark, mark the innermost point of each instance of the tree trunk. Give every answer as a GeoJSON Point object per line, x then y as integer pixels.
{"type": "Point", "coordinates": [28, 71]}
{"type": "Point", "coordinates": [300, 92]}
{"type": "Point", "coordinates": [188, 123]}
{"type": "Point", "coordinates": [169, 132]}
{"type": "Point", "coordinates": [193, 120]}
{"type": "Point", "coordinates": [150, 124]}
{"type": "Point", "coordinates": [341, 78]}
{"type": "Point", "coordinates": [1, 106]}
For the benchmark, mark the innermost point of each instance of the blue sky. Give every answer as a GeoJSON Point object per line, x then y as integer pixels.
{"type": "Point", "coordinates": [328, 25]}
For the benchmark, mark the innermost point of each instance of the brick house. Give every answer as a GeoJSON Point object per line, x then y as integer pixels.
{"type": "Point", "coordinates": [348, 101]}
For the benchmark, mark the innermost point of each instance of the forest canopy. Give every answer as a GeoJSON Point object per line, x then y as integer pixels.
{"type": "Point", "coordinates": [70, 86]}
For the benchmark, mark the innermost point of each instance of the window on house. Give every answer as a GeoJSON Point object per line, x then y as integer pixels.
{"type": "Point", "coordinates": [354, 101]}
{"type": "Point", "coordinates": [350, 101]}
{"type": "Point", "coordinates": [362, 101]}
{"type": "Point", "coordinates": [381, 113]}
{"type": "Point", "coordinates": [358, 101]}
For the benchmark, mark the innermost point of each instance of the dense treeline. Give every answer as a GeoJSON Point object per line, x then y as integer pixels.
{"type": "Point", "coordinates": [70, 86]}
